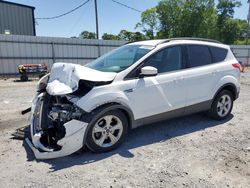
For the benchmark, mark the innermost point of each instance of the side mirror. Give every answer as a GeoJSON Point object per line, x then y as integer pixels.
{"type": "Point", "coordinates": [148, 71]}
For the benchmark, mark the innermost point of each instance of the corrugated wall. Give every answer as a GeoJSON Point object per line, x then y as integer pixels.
{"type": "Point", "coordinates": [16, 50]}
{"type": "Point", "coordinates": [18, 19]}
{"type": "Point", "coordinates": [242, 52]}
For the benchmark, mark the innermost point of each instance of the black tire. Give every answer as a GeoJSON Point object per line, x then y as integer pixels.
{"type": "Point", "coordinates": [214, 112]}
{"type": "Point", "coordinates": [91, 143]}
{"type": "Point", "coordinates": [24, 78]}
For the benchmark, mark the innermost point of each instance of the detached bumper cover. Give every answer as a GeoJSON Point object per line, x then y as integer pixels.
{"type": "Point", "coordinates": [72, 141]}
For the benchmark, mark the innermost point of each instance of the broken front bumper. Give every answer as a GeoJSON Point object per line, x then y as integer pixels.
{"type": "Point", "coordinates": [72, 141]}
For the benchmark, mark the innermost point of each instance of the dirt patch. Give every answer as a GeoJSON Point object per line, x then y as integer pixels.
{"type": "Point", "coordinates": [192, 151]}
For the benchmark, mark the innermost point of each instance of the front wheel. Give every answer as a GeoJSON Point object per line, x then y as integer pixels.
{"type": "Point", "coordinates": [222, 105]}
{"type": "Point", "coordinates": [107, 132]}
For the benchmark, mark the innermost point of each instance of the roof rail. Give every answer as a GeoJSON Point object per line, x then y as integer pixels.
{"type": "Point", "coordinates": [189, 38]}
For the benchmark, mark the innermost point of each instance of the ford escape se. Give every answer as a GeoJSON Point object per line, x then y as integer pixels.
{"type": "Point", "coordinates": [139, 83]}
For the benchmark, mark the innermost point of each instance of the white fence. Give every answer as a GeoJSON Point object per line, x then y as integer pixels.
{"type": "Point", "coordinates": [242, 53]}
{"type": "Point", "coordinates": [16, 50]}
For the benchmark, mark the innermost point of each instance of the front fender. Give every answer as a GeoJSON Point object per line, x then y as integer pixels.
{"type": "Point", "coordinates": [93, 101]}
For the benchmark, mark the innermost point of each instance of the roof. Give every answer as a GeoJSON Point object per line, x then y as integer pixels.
{"type": "Point", "coordinates": [149, 42]}
{"type": "Point", "coordinates": [17, 4]}
{"type": "Point", "coordinates": [179, 41]}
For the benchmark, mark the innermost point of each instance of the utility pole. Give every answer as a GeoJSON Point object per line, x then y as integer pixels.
{"type": "Point", "coordinates": [248, 21]}
{"type": "Point", "coordinates": [96, 20]}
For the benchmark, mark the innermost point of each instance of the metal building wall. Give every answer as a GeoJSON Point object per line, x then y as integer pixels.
{"type": "Point", "coordinates": [16, 50]}
{"type": "Point", "coordinates": [242, 53]}
{"type": "Point", "coordinates": [19, 19]}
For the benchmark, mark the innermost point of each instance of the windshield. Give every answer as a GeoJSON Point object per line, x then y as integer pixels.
{"type": "Point", "coordinates": [120, 58]}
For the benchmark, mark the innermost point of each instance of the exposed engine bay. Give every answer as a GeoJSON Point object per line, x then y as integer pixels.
{"type": "Point", "coordinates": [58, 125]}
{"type": "Point", "coordinates": [55, 112]}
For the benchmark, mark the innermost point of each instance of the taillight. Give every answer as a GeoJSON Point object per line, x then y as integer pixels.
{"type": "Point", "coordinates": [237, 66]}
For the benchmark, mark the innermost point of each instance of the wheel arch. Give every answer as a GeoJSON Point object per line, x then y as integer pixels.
{"type": "Point", "coordinates": [230, 87]}
{"type": "Point", "coordinates": [109, 107]}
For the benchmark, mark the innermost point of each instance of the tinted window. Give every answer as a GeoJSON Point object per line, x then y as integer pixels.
{"type": "Point", "coordinates": [219, 54]}
{"type": "Point", "coordinates": [198, 55]}
{"type": "Point", "coordinates": [166, 60]}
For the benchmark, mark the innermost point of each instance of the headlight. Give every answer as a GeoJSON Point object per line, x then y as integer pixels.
{"type": "Point", "coordinates": [42, 83]}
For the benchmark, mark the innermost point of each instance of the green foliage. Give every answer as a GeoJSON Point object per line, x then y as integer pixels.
{"type": "Point", "coordinates": [179, 18]}
{"type": "Point", "coordinates": [242, 42]}
{"type": "Point", "coordinates": [226, 8]}
{"type": "Point", "coordinates": [130, 36]}
{"type": "Point", "coordinates": [194, 18]}
{"type": "Point", "coordinates": [107, 36]}
{"type": "Point", "coordinates": [186, 18]}
{"type": "Point", "coordinates": [149, 23]}
{"type": "Point", "coordinates": [227, 26]}
{"type": "Point", "coordinates": [87, 35]}
{"type": "Point", "coordinates": [125, 35]}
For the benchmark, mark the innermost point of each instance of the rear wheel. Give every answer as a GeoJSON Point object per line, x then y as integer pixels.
{"type": "Point", "coordinates": [222, 105]}
{"type": "Point", "coordinates": [107, 132]}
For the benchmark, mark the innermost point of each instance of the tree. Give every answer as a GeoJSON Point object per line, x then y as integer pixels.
{"type": "Point", "coordinates": [242, 29]}
{"type": "Point", "coordinates": [208, 27]}
{"type": "Point", "coordinates": [137, 36]}
{"type": "Point", "coordinates": [125, 35]}
{"type": "Point", "coordinates": [181, 18]}
{"type": "Point", "coordinates": [227, 26]}
{"type": "Point", "coordinates": [168, 13]}
{"type": "Point", "coordinates": [107, 36]}
{"type": "Point", "coordinates": [87, 35]}
{"type": "Point", "coordinates": [149, 22]}
{"type": "Point", "coordinates": [226, 8]}
{"type": "Point", "coordinates": [131, 36]}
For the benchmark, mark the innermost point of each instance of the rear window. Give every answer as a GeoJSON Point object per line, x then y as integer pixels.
{"type": "Point", "coordinates": [199, 55]}
{"type": "Point", "coordinates": [219, 54]}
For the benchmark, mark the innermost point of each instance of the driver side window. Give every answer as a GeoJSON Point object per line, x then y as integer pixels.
{"type": "Point", "coordinates": [166, 60]}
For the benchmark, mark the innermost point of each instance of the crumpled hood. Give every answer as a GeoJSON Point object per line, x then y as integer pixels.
{"type": "Point", "coordinates": [64, 77]}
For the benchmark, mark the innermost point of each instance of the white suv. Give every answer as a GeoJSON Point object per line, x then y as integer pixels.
{"type": "Point", "coordinates": [136, 84]}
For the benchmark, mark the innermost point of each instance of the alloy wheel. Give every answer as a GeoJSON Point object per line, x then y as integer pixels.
{"type": "Point", "coordinates": [107, 131]}
{"type": "Point", "coordinates": [224, 105]}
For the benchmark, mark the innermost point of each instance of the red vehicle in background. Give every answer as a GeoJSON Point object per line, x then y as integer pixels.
{"type": "Point", "coordinates": [32, 69]}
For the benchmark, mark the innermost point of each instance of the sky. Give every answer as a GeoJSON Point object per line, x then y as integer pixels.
{"type": "Point", "coordinates": [112, 17]}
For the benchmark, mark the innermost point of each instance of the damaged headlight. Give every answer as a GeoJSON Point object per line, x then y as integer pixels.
{"type": "Point", "coordinates": [42, 83]}
{"type": "Point", "coordinates": [50, 115]}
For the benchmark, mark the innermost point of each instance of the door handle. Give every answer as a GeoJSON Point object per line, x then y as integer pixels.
{"type": "Point", "coordinates": [178, 79]}
{"type": "Point", "coordinates": [181, 78]}
{"type": "Point", "coordinates": [129, 90]}
{"type": "Point", "coordinates": [215, 72]}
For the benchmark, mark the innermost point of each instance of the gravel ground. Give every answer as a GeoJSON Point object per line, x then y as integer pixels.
{"type": "Point", "coordinates": [192, 151]}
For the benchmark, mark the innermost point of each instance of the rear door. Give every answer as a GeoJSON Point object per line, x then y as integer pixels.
{"type": "Point", "coordinates": [201, 74]}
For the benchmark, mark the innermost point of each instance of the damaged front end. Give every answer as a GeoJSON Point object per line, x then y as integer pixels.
{"type": "Point", "coordinates": [57, 123]}
{"type": "Point", "coordinates": [56, 127]}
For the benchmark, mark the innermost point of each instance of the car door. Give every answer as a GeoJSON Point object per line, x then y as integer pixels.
{"type": "Point", "coordinates": [201, 74]}
{"type": "Point", "coordinates": [162, 93]}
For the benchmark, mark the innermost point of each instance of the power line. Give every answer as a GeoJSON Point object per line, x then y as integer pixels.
{"type": "Point", "coordinates": [127, 6]}
{"type": "Point", "coordinates": [64, 14]}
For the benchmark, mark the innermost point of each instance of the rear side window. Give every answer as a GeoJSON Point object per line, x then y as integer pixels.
{"type": "Point", "coordinates": [219, 54]}
{"type": "Point", "coordinates": [198, 55]}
